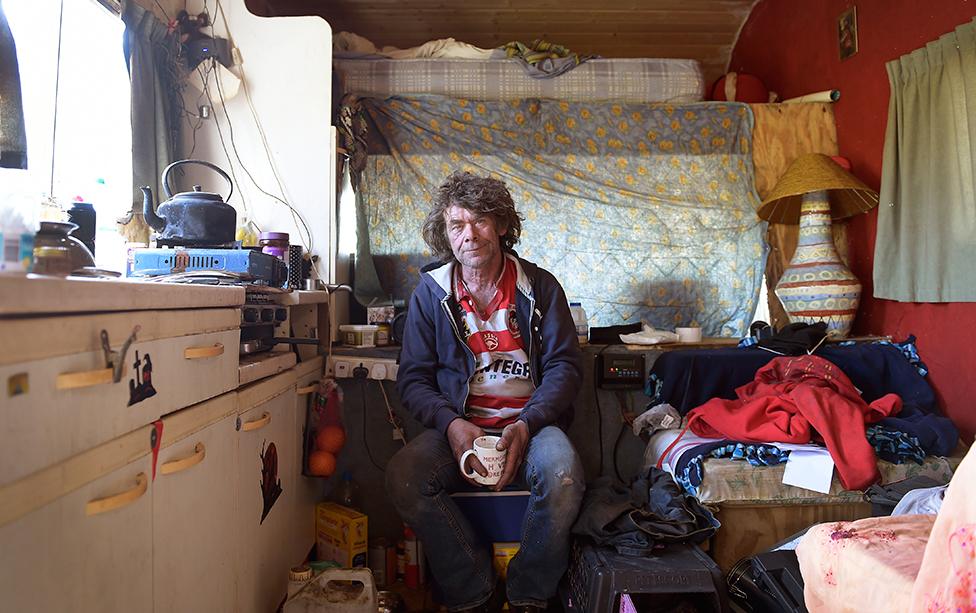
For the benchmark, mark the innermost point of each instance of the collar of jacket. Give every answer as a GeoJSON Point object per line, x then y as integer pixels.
{"type": "Point", "coordinates": [441, 274]}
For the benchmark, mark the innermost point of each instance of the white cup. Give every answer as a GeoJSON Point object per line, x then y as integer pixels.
{"type": "Point", "coordinates": [688, 335]}
{"type": "Point", "coordinates": [492, 459]}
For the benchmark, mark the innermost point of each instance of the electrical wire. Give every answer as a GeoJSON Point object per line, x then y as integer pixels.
{"type": "Point", "coordinates": [57, 83]}
{"type": "Point", "coordinates": [391, 415]}
{"type": "Point", "coordinates": [599, 409]}
{"type": "Point", "coordinates": [362, 389]}
{"type": "Point", "coordinates": [296, 216]}
{"type": "Point", "coordinates": [624, 426]}
{"type": "Point", "coordinates": [230, 129]}
{"type": "Point", "coordinates": [223, 144]}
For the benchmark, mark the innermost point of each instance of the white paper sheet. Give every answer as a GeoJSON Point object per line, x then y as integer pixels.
{"type": "Point", "coordinates": [811, 469]}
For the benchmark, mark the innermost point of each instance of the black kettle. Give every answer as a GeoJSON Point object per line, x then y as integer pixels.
{"type": "Point", "coordinates": [191, 218]}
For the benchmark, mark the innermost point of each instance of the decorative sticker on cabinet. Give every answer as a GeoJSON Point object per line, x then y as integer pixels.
{"type": "Point", "coordinates": [18, 384]}
{"type": "Point", "coordinates": [155, 443]}
{"type": "Point", "coordinates": [270, 483]}
{"type": "Point", "coordinates": [140, 386]}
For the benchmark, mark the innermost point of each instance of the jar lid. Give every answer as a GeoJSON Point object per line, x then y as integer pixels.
{"type": "Point", "coordinates": [273, 236]}
{"type": "Point", "coordinates": [300, 573]}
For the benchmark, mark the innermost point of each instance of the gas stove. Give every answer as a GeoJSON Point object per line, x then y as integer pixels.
{"type": "Point", "coordinates": [251, 265]}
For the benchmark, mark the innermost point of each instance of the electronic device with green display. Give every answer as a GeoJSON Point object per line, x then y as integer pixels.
{"type": "Point", "coordinates": [620, 371]}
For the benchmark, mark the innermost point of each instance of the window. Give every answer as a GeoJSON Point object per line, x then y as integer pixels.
{"type": "Point", "coordinates": [76, 114]}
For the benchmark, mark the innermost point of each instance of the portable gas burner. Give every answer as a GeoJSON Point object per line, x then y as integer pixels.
{"type": "Point", "coordinates": [251, 265]}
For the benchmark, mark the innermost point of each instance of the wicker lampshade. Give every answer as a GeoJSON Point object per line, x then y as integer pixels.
{"type": "Point", "coordinates": [814, 172]}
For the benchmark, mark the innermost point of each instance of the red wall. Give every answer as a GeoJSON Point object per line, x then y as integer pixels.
{"type": "Point", "coordinates": [792, 47]}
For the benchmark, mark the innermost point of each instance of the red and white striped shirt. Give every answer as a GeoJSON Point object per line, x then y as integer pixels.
{"type": "Point", "coordinates": [501, 383]}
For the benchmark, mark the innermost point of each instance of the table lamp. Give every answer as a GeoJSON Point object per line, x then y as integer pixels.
{"type": "Point", "coordinates": [817, 286]}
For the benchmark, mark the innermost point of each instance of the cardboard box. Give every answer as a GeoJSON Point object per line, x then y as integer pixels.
{"type": "Point", "coordinates": [501, 555]}
{"type": "Point", "coordinates": [340, 534]}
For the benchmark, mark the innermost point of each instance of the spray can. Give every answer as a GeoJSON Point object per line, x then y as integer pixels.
{"type": "Point", "coordinates": [401, 557]}
{"type": "Point", "coordinates": [411, 574]}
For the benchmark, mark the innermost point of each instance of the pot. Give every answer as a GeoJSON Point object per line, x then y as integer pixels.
{"type": "Point", "coordinates": [191, 218]}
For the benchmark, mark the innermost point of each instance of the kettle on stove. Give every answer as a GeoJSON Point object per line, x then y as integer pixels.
{"type": "Point", "coordinates": [191, 218]}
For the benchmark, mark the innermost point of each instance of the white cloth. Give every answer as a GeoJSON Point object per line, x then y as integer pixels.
{"type": "Point", "coordinates": [649, 336]}
{"type": "Point", "coordinates": [923, 501]}
{"type": "Point", "coordinates": [444, 48]}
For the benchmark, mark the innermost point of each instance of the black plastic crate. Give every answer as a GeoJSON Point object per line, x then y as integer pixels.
{"type": "Point", "coordinates": [676, 578]}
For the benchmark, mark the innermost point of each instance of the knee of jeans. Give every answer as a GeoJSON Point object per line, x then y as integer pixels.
{"type": "Point", "coordinates": [561, 480]}
{"type": "Point", "coordinates": [403, 481]}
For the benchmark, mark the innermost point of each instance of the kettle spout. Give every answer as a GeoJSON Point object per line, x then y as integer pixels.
{"type": "Point", "coordinates": [155, 222]}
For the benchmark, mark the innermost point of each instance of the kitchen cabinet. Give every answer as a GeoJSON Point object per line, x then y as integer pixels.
{"type": "Point", "coordinates": [194, 495]}
{"type": "Point", "coordinates": [189, 498]}
{"type": "Point", "coordinates": [266, 474]}
{"type": "Point", "coordinates": [68, 401]}
{"type": "Point", "coordinates": [89, 545]}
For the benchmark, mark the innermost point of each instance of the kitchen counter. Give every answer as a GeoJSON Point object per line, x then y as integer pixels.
{"type": "Point", "coordinates": [36, 295]}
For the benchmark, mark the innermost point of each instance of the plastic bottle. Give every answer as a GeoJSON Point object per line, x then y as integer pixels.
{"type": "Point", "coordinates": [579, 318]}
{"type": "Point", "coordinates": [16, 241]}
{"type": "Point", "coordinates": [346, 492]}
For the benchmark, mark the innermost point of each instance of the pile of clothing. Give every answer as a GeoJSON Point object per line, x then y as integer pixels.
{"type": "Point", "coordinates": [862, 401]}
{"type": "Point", "coordinates": [651, 513]}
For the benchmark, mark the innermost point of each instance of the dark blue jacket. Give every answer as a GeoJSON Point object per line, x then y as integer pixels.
{"type": "Point", "coordinates": [436, 364]}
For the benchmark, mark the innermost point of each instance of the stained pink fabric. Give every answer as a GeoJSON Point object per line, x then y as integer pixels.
{"type": "Point", "coordinates": [791, 397]}
{"type": "Point", "coordinates": [864, 565]}
{"type": "Point", "coordinates": [947, 578]}
{"type": "Point", "coordinates": [916, 563]}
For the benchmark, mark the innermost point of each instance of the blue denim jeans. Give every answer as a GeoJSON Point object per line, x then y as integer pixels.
{"type": "Point", "coordinates": [420, 479]}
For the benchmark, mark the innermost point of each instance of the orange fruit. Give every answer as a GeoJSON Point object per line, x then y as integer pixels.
{"type": "Point", "coordinates": [330, 438]}
{"type": "Point", "coordinates": [321, 463]}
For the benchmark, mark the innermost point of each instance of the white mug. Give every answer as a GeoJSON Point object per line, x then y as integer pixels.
{"type": "Point", "coordinates": [492, 459]}
{"type": "Point", "coordinates": [689, 335]}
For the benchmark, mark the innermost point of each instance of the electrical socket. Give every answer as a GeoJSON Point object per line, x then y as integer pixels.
{"type": "Point", "coordinates": [382, 369]}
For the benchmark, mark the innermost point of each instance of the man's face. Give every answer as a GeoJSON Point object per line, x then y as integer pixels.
{"type": "Point", "coordinates": [475, 239]}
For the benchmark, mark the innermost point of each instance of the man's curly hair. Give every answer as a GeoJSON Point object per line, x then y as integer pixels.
{"type": "Point", "coordinates": [480, 195]}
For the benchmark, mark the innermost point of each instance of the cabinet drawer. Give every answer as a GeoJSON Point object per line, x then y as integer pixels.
{"type": "Point", "coordinates": [67, 403]}
{"type": "Point", "coordinates": [90, 550]}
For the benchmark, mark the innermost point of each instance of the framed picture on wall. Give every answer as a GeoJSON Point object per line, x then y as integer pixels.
{"type": "Point", "coordinates": [847, 33]}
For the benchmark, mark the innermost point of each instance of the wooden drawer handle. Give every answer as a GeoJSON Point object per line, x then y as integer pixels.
{"type": "Point", "coordinates": [302, 391]}
{"type": "Point", "coordinates": [260, 422]}
{"type": "Point", "coordinates": [208, 351]}
{"type": "Point", "coordinates": [175, 466]}
{"type": "Point", "coordinates": [88, 378]}
{"type": "Point", "coordinates": [110, 503]}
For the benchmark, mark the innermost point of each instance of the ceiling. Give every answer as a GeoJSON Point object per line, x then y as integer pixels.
{"type": "Point", "coordinates": [699, 29]}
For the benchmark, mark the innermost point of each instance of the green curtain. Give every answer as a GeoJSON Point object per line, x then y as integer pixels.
{"type": "Point", "coordinates": [925, 245]}
{"type": "Point", "coordinates": [151, 55]}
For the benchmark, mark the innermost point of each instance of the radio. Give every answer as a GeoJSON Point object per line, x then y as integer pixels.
{"type": "Point", "coordinates": [620, 371]}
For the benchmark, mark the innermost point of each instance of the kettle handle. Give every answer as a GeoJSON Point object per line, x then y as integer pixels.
{"type": "Point", "coordinates": [214, 167]}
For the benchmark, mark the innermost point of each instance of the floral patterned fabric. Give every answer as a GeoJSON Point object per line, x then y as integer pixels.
{"type": "Point", "coordinates": [641, 211]}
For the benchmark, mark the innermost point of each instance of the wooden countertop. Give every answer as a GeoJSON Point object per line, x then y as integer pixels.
{"type": "Point", "coordinates": [39, 295]}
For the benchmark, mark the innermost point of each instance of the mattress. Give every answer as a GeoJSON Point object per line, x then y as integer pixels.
{"type": "Point", "coordinates": [736, 481]}
{"type": "Point", "coordinates": [638, 80]}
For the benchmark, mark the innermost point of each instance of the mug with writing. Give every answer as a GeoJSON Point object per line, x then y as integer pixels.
{"type": "Point", "coordinates": [492, 459]}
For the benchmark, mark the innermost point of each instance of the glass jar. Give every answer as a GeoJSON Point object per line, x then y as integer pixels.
{"type": "Point", "coordinates": [274, 243]}
{"type": "Point", "coordinates": [52, 260]}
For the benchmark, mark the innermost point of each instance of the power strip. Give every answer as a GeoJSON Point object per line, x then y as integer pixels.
{"type": "Point", "coordinates": [341, 367]}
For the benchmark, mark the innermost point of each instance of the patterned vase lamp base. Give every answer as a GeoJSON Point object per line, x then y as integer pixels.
{"type": "Point", "coordinates": [817, 286]}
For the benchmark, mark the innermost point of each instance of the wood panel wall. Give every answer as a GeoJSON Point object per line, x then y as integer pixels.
{"type": "Point", "coordinates": [698, 29]}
